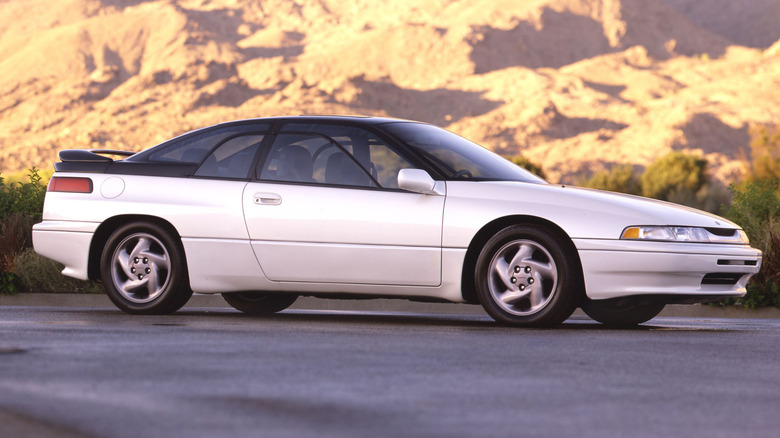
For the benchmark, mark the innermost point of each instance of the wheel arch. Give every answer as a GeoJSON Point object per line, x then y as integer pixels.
{"type": "Point", "coordinates": [103, 232]}
{"type": "Point", "coordinates": [468, 288]}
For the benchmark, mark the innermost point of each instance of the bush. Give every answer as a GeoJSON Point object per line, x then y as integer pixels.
{"type": "Point", "coordinates": [22, 198]}
{"type": "Point", "coordinates": [756, 208]}
{"type": "Point", "coordinates": [21, 205]}
{"type": "Point", "coordinates": [620, 178]}
{"type": "Point", "coordinates": [764, 163]}
{"type": "Point", "coordinates": [676, 173]}
{"type": "Point", "coordinates": [528, 165]}
{"type": "Point", "coordinates": [39, 274]}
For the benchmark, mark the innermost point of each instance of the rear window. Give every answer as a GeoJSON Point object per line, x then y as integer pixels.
{"type": "Point", "coordinates": [194, 146]}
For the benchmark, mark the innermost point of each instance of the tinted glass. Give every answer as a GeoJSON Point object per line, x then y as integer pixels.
{"type": "Point", "coordinates": [374, 155]}
{"type": "Point", "coordinates": [193, 147]}
{"type": "Point", "coordinates": [312, 159]}
{"type": "Point", "coordinates": [457, 158]}
{"type": "Point", "coordinates": [233, 158]}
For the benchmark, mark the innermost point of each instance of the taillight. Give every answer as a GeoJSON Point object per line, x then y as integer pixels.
{"type": "Point", "coordinates": [68, 184]}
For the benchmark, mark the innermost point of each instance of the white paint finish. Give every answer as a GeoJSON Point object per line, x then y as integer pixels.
{"type": "Point", "coordinates": [611, 274]}
{"type": "Point", "coordinates": [73, 226]}
{"type": "Point", "coordinates": [722, 250]}
{"type": "Point", "coordinates": [220, 265]}
{"type": "Point", "coordinates": [402, 229]}
{"type": "Point", "coordinates": [581, 213]}
{"type": "Point", "coordinates": [66, 247]}
{"type": "Point", "coordinates": [339, 263]}
{"type": "Point", "coordinates": [112, 187]}
{"type": "Point", "coordinates": [196, 207]}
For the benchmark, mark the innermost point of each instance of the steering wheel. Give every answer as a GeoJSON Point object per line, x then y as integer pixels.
{"type": "Point", "coordinates": [462, 172]}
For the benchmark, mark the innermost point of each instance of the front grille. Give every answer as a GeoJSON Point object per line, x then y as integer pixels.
{"type": "Point", "coordinates": [721, 278]}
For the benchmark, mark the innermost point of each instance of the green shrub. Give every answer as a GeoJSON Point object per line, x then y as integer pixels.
{"type": "Point", "coordinates": [22, 198]}
{"type": "Point", "coordinates": [620, 178]}
{"type": "Point", "coordinates": [21, 205]}
{"type": "Point", "coordinates": [39, 274]}
{"type": "Point", "coordinates": [528, 165]}
{"type": "Point", "coordinates": [9, 283]}
{"type": "Point", "coordinates": [756, 208]}
{"type": "Point", "coordinates": [764, 163]}
{"type": "Point", "coordinates": [676, 173]}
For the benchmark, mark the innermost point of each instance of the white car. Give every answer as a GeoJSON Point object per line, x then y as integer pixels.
{"type": "Point", "coordinates": [265, 210]}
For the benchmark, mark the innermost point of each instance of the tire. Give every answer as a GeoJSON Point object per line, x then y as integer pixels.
{"type": "Point", "coordinates": [623, 312]}
{"type": "Point", "coordinates": [144, 270]}
{"type": "Point", "coordinates": [525, 276]}
{"type": "Point", "coordinates": [256, 303]}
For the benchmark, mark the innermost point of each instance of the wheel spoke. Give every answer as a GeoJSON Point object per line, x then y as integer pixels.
{"type": "Point", "coordinates": [502, 269]}
{"type": "Point", "coordinates": [525, 284]}
{"type": "Point", "coordinates": [545, 269]}
{"type": "Point", "coordinates": [142, 245]}
{"type": "Point", "coordinates": [130, 286]}
{"type": "Point", "coordinates": [158, 260]}
{"type": "Point", "coordinates": [524, 253]}
{"type": "Point", "coordinates": [123, 259]}
{"type": "Point", "coordinates": [513, 297]}
{"type": "Point", "coordinates": [153, 281]}
{"type": "Point", "coordinates": [141, 267]}
{"type": "Point", "coordinates": [537, 297]}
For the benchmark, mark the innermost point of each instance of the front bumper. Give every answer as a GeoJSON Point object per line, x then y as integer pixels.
{"type": "Point", "coordinates": [618, 268]}
{"type": "Point", "coordinates": [66, 242]}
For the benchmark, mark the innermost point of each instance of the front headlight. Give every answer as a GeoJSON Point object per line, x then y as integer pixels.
{"type": "Point", "coordinates": [685, 234]}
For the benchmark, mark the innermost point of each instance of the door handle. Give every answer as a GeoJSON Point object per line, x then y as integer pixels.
{"type": "Point", "coordinates": [267, 199]}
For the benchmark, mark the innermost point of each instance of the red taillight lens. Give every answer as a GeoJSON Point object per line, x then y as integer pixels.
{"type": "Point", "coordinates": [72, 185]}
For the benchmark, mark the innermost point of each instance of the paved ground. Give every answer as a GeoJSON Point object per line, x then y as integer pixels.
{"type": "Point", "coordinates": [76, 372]}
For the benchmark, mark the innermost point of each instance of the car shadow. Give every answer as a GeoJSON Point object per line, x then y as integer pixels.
{"type": "Point", "coordinates": [576, 323]}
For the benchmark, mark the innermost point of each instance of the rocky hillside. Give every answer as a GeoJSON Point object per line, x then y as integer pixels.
{"type": "Point", "coordinates": [575, 85]}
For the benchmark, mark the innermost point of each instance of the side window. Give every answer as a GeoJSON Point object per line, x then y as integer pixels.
{"type": "Point", "coordinates": [313, 159]}
{"type": "Point", "coordinates": [352, 156]}
{"type": "Point", "coordinates": [193, 147]}
{"type": "Point", "coordinates": [385, 165]}
{"type": "Point", "coordinates": [233, 158]}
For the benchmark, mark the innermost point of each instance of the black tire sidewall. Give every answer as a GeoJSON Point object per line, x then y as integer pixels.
{"type": "Point", "coordinates": [566, 294]}
{"type": "Point", "coordinates": [176, 292]}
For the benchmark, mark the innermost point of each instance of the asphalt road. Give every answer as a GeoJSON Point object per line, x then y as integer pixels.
{"type": "Point", "coordinates": [70, 372]}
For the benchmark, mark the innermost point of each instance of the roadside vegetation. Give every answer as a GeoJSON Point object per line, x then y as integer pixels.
{"type": "Point", "coordinates": [753, 203]}
{"type": "Point", "coordinates": [21, 269]}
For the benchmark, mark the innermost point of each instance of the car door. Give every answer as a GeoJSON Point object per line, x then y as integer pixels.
{"type": "Point", "coordinates": [326, 209]}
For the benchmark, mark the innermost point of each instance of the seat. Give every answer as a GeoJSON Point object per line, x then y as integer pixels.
{"type": "Point", "coordinates": [294, 164]}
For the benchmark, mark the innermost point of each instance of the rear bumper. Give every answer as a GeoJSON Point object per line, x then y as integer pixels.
{"type": "Point", "coordinates": [67, 243]}
{"type": "Point", "coordinates": [614, 269]}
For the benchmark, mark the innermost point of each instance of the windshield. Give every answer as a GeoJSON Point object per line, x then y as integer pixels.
{"type": "Point", "coordinates": [457, 158]}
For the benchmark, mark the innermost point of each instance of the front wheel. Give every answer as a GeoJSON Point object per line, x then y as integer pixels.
{"type": "Point", "coordinates": [144, 271]}
{"type": "Point", "coordinates": [623, 312]}
{"type": "Point", "coordinates": [526, 276]}
{"type": "Point", "coordinates": [256, 303]}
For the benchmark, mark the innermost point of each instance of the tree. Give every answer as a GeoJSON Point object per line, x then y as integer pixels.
{"type": "Point", "coordinates": [674, 175]}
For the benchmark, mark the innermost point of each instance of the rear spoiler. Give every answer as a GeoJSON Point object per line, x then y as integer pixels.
{"type": "Point", "coordinates": [91, 155]}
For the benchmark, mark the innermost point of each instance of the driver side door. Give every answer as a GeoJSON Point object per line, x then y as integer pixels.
{"type": "Point", "coordinates": [326, 209]}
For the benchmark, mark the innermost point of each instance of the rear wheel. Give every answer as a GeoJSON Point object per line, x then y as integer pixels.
{"type": "Point", "coordinates": [525, 276]}
{"type": "Point", "coordinates": [144, 271]}
{"type": "Point", "coordinates": [256, 303]}
{"type": "Point", "coordinates": [623, 312]}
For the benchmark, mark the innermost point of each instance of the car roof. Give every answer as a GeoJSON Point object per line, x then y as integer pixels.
{"type": "Point", "coordinates": [368, 120]}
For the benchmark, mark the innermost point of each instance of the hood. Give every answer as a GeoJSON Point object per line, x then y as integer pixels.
{"type": "Point", "coordinates": [586, 213]}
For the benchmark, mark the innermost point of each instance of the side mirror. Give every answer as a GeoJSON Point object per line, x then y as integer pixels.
{"type": "Point", "coordinates": [418, 181]}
